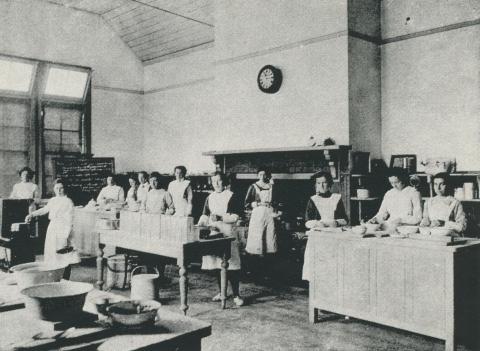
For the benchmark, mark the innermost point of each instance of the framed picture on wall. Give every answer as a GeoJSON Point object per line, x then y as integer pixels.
{"type": "Point", "coordinates": [408, 162]}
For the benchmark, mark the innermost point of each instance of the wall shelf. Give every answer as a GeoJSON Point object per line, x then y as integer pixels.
{"type": "Point", "coordinates": [364, 199]}
{"type": "Point", "coordinates": [278, 149]}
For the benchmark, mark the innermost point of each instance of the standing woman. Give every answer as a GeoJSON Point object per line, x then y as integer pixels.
{"type": "Point", "coordinates": [60, 214]}
{"type": "Point", "coordinates": [132, 198]}
{"type": "Point", "coordinates": [262, 238]}
{"type": "Point", "coordinates": [181, 192]}
{"type": "Point", "coordinates": [25, 189]}
{"type": "Point", "coordinates": [220, 212]}
{"type": "Point", "coordinates": [143, 188]}
{"type": "Point", "coordinates": [401, 204]}
{"type": "Point", "coordinates": [111, 192]}
{"type": "Point", "coordinates": [158, 199]}
{"type": "Point", "coordinates": [324, 209]}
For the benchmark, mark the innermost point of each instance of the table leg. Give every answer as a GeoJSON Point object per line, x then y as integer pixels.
{"type": "Point", "coordinates": [183, 289]}
{"type": "Point", "coordinates": [312, 314]}
{"type": "Point", "coordinates": [100, 253]}
{"type": "Point", "coordinates": [223, 281]}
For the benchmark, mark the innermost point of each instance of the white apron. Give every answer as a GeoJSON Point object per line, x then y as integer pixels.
{"type": "Point", "coordinates": [262, 238]}
{"type": "Point", "coordinates": [58, 233]}
{"type": "Point", "coordinates": [326, 206]}
{"type": "Point", "coordinates": [218, 204]}
{"type": "Point", "coordinates": [440, 209]}
{"type": "Point", "coordinates": [177, 191]}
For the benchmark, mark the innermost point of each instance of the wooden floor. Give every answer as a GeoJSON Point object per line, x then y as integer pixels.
{"type": "Point", "coordinates": [275, 317]}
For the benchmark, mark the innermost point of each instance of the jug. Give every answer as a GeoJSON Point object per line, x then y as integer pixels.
{"type": "Point", "coordinates": [144, 286]}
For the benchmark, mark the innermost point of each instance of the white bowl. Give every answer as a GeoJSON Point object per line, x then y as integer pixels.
{"type": "Point", "coordinates": [372, 227]}
{"type": "Point", "coordinates": [34, 273]}
{"type": "Point", "coordinates": [359, 229]}
{"type": "Point", "coordinates": [407, 229]}
{"type": "Point", "coordinates": [440, 231]}
{"type": "Point", "coordinates": [425, 230]}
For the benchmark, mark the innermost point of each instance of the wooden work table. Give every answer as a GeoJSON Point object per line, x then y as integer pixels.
{"type": "Point", "coordinates": [173, 331]}
{"type": "Point", "coordinates": [184, 253]}
{"type": "Point", "coordinates": [416, 285]}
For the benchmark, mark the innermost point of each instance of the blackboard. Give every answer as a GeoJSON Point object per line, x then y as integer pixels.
{"type": "Point", "coordinates": [84, 177]}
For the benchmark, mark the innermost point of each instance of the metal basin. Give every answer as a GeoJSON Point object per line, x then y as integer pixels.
{"type": "Point", "coordinates": [56, 301]}
{"type": "Point", "coordinates": [34, 273]}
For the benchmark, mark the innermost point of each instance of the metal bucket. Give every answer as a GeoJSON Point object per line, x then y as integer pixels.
{"type": "Point", "coordinates": [144, 286]}
{"type": "Point", "coordinates": [118, 275]}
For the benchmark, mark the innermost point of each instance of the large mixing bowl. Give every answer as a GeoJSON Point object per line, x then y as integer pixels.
{"type": "Point", "coordinates": [34, 273]}
{"type": "Point", "coordinates": [56, 301]}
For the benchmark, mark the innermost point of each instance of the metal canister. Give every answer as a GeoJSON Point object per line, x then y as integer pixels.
{"type": "Point", "coordinates": [145, 285]}
{"type": "Point", "coordinates": [118, 275]}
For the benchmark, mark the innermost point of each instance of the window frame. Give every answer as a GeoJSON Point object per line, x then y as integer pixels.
{"type": "Point", "coordinates": [15, 93]}
{"type": "Point", "coordinates": [61, 98]}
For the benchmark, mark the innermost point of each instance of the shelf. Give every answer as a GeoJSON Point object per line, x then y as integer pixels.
{"type": "Point", "coordinates": [280, 149]}
{"type": "Point", "coordinates": [364, 199]}
{"type": "Point", "coordinates": [277, 176]}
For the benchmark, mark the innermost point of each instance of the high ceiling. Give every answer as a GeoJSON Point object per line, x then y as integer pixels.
{"type": "Point", "coordinates": [154, 28]}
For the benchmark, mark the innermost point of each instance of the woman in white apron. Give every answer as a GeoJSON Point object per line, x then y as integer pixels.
{"type": "Point", "coordinates": [25, 189]}
{"type": "Point", "coordinates": [132, 198]}
{"type": "Point", "coordinates": [60, 214]}
{"type": "Point", "coordinates": [401, 204]}
{"type": "Point", "coordinates": [158, 200]}
{"type": "Point", "coordinates": [181, 192]}
{"type": "Point", "coordinates": [442, 209]}
{"type": "Point", "coordinates": [111, 193]}
{"type": "Point", "coordinates": [262, 237]}
{"type": "Point", "coordinates": [143, 188]}
{"type": "Point", "coordinates": [219, 212]}
{"type": "Point", "coordinates": [324, 209]}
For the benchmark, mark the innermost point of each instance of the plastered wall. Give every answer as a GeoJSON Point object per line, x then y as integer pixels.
{"type": "Point", "coordinates": [431, 83]}
{"type": "Point", "coordinates": [55, 33]}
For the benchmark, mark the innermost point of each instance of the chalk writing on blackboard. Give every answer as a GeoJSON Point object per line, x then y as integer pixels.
{"type": "Point", "coordinates": [85, 176]}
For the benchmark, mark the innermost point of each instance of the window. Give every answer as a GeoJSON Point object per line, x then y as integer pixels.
{"type": "Point", "coordinates": [44, 114]}
{"type": "Point", "coordinates": [15, 76]}
{"type": "Point", "coordinates": [66, 83]}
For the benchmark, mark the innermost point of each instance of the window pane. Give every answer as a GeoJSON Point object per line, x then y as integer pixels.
{"type": "Point", "coordinates": [63, 82]}
{"type": "Point", "coordinates": [15, 76]}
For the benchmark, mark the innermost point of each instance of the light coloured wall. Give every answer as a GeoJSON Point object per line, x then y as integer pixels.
{"type": "Point", "coordinates": [180, 112]}
{"type": "Point", "coordinates": [45, 31]}
{"type": "Point", "coordinates": [431, 84]}
{"type": "Point", "coordinates": [210, 100]}
{"type": "Point", "coordinates": [425, 15]}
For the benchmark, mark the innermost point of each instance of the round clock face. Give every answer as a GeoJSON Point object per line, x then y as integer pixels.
{"type": "Point", "coordinates": [269, 79]}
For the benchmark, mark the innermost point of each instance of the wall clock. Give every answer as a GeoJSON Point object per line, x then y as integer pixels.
{"type": "Point", "coordinates": [269, 79]}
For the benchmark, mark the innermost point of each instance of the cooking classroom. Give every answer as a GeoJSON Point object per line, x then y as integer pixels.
{"type": "Point", "coordinates": [240, 175]}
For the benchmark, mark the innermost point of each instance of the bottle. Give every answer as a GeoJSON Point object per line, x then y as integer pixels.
{"type": "Point", "coordinates": [333, 169]}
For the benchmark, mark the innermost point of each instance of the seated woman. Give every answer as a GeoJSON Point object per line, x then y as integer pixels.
{"type": "Point", "coordinates": [111, 192]}
{"type": "Point", "coordinates": [158, 200]}
{"type": "Point", "coordinates": [60, 214]}
{"type": "Point", "coordinates": [324, 209]}
{"type": "Point", "coordinates": [401, 204]}
{"type": "Point", "coordinates": [221, 211]}
{"type": "Point", "coordinates": [25, 189]}
{"type": "Point", "coordinates": [442, 209]}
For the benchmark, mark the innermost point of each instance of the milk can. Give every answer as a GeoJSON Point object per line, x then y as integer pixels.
{"type": "Point", "coordinates": [145, 285]}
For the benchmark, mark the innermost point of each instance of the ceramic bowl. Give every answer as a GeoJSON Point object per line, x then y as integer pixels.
{"type": "Point", "coordinates": [372, 227]}
{"type": "Point", "coordinates": [440, 231]}
{"type": "Point", "coordinates": [425, 230]}
{"type": "Point", "coordinates": [359, 229]}
{"type": "Point", "coordinates": [407, 229]}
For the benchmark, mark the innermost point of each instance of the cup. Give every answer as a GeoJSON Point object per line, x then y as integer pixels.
{"type": "Point", "coordinates": [459, 194]}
